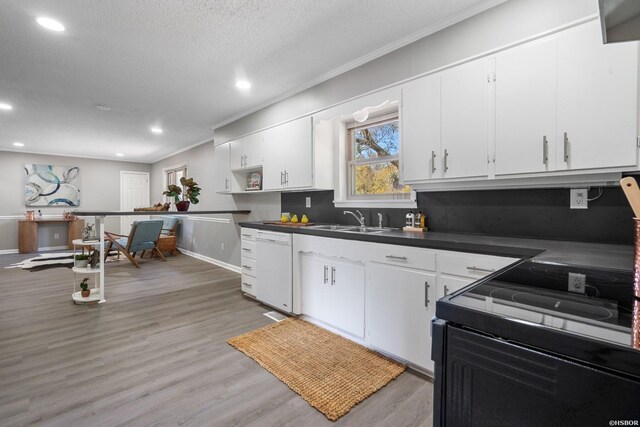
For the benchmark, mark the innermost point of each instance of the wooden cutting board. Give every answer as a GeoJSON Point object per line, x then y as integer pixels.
{"type": "Point", "coordinates": [289, 224]}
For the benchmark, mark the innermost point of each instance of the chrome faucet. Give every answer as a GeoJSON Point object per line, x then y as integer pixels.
{"type": "Point", "coordinates": [360, 219]}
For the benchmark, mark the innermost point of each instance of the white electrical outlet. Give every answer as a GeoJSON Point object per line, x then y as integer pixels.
{"type": "Point", "coordinates": [56, 236]}
{"type": "Point", "coordinates": [222, 246]}
{"type": "Point", "coordinates": [308, 202]}
{"type": "Point", "coordinates": [577, 283]}
{"type": "Point", "coordinates": [579, 198]}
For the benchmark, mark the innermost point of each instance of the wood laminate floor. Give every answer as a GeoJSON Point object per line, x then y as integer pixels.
{"type": "Point", "coordinates": [155, 354]}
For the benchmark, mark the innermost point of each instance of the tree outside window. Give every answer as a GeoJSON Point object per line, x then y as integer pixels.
{"type": "Point", "coordinates": [374, 164]}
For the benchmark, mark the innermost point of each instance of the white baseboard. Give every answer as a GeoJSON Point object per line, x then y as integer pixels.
{"type": "Point", "coordinates": [210, 260]}
{"type": "Point", "coordinates": [8, 251]}
{"type": "Point", "coordinates": [53, 248]}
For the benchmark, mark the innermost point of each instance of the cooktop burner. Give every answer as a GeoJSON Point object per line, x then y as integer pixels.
{"type": "Point", "coordinates": [600, 305]}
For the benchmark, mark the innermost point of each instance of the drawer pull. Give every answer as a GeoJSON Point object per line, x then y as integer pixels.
{"type": "Point", "coordinates": [326, 274]}
{"type": "Point", "coordinates": [246, 235]}
{"type": "Point", "coordinates": [333, 276]}
{"type": "Point", "coordinates": [246, 266]}
{"type": "Point", "coordinates": [426, 294]}
{"type": "Point", "coordinates": [246, 249]}
{"type": "Point", "coordinates": [401, 258]}
{"type": "Point", "coordinates": [248, 285]}
{"type": "Point", "coordinates": [481, 270]}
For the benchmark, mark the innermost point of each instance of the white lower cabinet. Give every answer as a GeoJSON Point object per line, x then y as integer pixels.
{"type": "Point", "coordinates": [381, 295]}
{"type": "Point", "coordinates": [400, 304]}
{"type": "Point", "coordinates": [333, 292]}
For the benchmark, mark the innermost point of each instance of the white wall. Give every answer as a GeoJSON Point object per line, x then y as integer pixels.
{"type": "Point", "coordinates": [217, 236]}
{"type": "Point", "coordinates": [99, 190]}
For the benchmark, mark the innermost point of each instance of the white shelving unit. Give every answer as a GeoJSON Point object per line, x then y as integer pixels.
{"type": "Point", "coordinates": [97, 292]}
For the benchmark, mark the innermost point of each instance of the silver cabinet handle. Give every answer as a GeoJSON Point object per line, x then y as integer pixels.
{"type": "Point", "coordinates": [286, 177]}
{"type": "Point", "coordinates": [401, 258]}
{"type": "Point", "coordinates": [446, 290]}
{"type": "Point", "coordinates": [326, 274]}
{"type": "Point", "coordinates": [481, 270]}
{"type": "Point", "coordinates": [545, 147]}
{"type": "Point", "coordinates": [281, 177]}
{"type": "Point", "coordinates": [248, 285]}
{"type": "Point", "coordinates": [433, 162]}
{"type": "Point", "coordinates": [446, 160]}
{"type": "Point", "coordinates": [426, 294]}
{"type": "Point", "coordinates": [246, 266]}
{"type": "Point", "coordinates": [333, 276]}
{"type": "Point", "coordinates": [566, 148]}
{"type": "Point", "coordinates": [246, 249]}
{"type": "Point", "coordinates": [246, 235]}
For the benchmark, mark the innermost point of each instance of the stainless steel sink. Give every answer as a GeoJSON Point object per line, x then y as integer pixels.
{"type": "Point", "coordinates": [334, 227]}
{"type": "Point", "coordinates": [365, 230]}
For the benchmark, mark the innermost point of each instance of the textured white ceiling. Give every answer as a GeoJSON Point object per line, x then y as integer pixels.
{"type": "Point", "coordinates": [174, 63]}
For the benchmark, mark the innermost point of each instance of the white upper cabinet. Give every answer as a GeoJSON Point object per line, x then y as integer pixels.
{"type": "Point", "coordinates": [597, 100]}
{"type": "Point", "coordinates": [288, 155]}
{"type": "Point", "coordinates": [221, 168]}
{"type": "Point", "coordinates": [525, 105]}
{"type": "Point", "coordinates": [464, 131]}
{"type": "Point", "coordinates": [420, 149]}
{"type": "Point", "coordinates": [246, 152]}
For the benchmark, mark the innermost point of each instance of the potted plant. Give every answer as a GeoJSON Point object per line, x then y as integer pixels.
{"type": "Point", "coordinates": [189, 191]}
{"type": "Point", "coordinates": [82, 260]}
{"type": "Point", "coordinates": [84, 286]}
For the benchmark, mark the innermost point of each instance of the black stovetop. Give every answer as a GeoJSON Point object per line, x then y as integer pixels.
{"type": "Point", "coordinates": [531, 303]}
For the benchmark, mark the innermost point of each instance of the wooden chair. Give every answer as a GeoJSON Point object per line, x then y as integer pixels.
{"type": "Point", "coordinates": [143, 237]}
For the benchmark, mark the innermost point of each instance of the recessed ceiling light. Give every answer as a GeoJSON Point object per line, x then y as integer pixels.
{"type": "Point", "coordinates": [243, 84]}
{"type": "Point", "coordinates": [5, 107]}
{"type": "Point", "coordinates": [119, 154]}
{"type": "Point", "coordinates": [18, 144]}
{"type": "Point", "coordinates": [156, 130]}
{"type": "Point", "coordinates": [50, 24]}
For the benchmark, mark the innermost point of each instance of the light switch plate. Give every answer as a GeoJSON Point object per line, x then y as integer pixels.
{"type": "Point", "coordinates": [308, 202]}
{"type": "Point", "coordinates": [579, 198]}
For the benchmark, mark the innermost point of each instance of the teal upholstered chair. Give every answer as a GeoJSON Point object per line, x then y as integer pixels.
{"type": "Point", "coordinates": [143, 237]}
{"type": "Point", "coordinates": [169, 225]}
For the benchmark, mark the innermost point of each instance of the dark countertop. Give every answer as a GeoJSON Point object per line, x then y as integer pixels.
{"type": "Point", "coordinates": [575, 253]}
{"type": "Point", "coordinates": [128, 213]}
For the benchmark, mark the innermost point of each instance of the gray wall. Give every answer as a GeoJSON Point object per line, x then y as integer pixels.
{"type": "Point", "coordinates": [504, 24]}
{"type": "Point", "coordinates": [99, 190]}
{"type": "Point", "coordinates": [213, 236]}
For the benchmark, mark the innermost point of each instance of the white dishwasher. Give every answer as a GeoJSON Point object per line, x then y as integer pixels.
{"type": "Point", "coordinates": [274, 269]}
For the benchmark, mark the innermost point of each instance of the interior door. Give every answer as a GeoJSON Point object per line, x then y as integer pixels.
{"type": "Point", "coordinates": [134, 193]}
{"type": "Point", "coordinates": [464, 121]}
{"type": "Point", "coordinates": [297, 138]}
{"type": "Point", "coordinates": [420, 137]}
{"type": "Point", "coordinates": [597, 100]}
{"type": "Point", "coordinates": [526, 108]}
{"type": "Point", "coordinates": [400, 304]}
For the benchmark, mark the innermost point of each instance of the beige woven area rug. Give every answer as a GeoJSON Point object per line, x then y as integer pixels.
{"type": "Point", "coordinates": [330, 372]}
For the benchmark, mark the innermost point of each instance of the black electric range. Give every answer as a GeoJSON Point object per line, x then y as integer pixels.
{"type": "Point", "coordinates": [549, 338]}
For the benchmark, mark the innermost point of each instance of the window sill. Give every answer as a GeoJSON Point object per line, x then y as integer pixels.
{"type": "Point", "coordinates": [380, 203]}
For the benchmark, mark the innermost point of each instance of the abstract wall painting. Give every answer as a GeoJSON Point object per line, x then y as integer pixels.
{"type": "Point", "coordinates": [48, 185]}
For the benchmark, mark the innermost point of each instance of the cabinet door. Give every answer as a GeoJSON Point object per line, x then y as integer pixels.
{"type": "Point", "coordinates": [273, 165]}
{"type": "Point", "coordinates": [346, 298]}
{"type": "Point", "coordinates": [526, 108]}
{"type": "Point", "coordinates": [464, 129]}
{"type": "Point", "coordinates": [597, 100]}
{"type": "Point", "coordinates": [420, 137]}
{"type": "Point", "coordinates": [236, 154]}
{"type": "Point", "coordinates": [315, 279]}
{"type": "Point", "coordinates": [447, 285]}
{"type": "Point", "coordinates": [400, 303]}
{"type": "Point", "coordinates": [253, 150]}
{"type": "Point", "coordinates": [221, 165]}
{"type": "Point", "coordinates": [297, 140]}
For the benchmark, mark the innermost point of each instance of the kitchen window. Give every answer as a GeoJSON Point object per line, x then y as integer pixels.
{"type": "Point", "coordinates": [373, 159]}
{"type": "Point", "coordinates": [172, 176]}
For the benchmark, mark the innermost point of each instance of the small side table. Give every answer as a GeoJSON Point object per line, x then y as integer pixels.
{"type": "Point", "coordinates": [167, 244]}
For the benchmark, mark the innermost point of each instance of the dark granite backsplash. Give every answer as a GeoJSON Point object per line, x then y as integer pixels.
{"type": "Point", "coordinates": [533, 213]}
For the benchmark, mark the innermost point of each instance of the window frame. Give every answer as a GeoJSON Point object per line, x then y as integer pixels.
{"type": "Point", "coordinates": [166, 181]}
{"type": "Point", "coordinates": [351, 163]}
